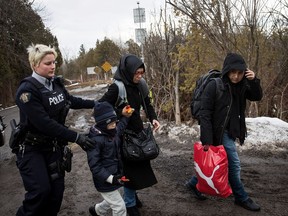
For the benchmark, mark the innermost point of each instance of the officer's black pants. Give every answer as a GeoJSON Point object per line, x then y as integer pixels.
{"type": "Point", "coordinates": [43, 196]}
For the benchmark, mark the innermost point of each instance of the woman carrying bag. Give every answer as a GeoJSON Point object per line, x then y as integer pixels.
{"type": "Point", "coordinates": [130, 71]}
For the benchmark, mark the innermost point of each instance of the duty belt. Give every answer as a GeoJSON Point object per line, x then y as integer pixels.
{"type": "Point", "coordinates": [37, 139]}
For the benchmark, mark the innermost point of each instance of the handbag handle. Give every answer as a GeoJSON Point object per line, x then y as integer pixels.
{"type": "Point", "coordinates": [144, 104]}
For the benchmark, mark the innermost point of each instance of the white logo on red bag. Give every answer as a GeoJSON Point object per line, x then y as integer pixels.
{"type": "Point", "coordinates": [207, 179]}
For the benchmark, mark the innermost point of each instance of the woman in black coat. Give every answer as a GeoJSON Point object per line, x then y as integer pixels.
{"type": "Point", "coordinates": [130, 71]}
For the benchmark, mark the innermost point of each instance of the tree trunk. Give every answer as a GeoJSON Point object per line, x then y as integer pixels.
{"type": "Point", "coordinates": [177, 106]}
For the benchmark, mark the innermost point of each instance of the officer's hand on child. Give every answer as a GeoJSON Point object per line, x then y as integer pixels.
{"type": "Point", "coordinates": [85, 142]}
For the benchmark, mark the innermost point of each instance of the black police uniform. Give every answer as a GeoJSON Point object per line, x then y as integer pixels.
{"type": "Point", "coordinates": [41, 116]}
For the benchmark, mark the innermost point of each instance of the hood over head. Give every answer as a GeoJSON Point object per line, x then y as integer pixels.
{"type": "Point", "coordinates": [127, 67]}
{"type": "Point", "coordinates": [104, 114]}
{"type": "Point", "coordinates": [233, 61]}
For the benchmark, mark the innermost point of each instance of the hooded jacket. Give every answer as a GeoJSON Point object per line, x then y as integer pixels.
{"type": "Point", "coordinates": [125, 72]}
{"type": "Point", "coordinates": [216, 114]}
{"type": "Point", "coordinates": [105, 159]}
{"type": "Point", "coordinates": [140, 173]}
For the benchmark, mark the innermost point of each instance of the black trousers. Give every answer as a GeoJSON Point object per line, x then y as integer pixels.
{"type": "Point", "coordinates": [43, 195]}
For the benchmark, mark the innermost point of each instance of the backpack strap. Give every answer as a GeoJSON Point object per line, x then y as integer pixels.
{"type": "Point", "coordinates": [219, 87]}
{"type": "Point", "coordinates": [214, 71]}
{"type": "Point", "coordinates": [122, 94]}
{"type": "Point", "coordinates": [144, 91]}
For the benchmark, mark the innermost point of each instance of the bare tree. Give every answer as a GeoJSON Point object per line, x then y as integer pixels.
{"type": "Point", "coordinates": [160, 44]}
{"type": "Point", "coordinates": [222, 21]}
{"type": "Point", "coordinates": [243, 26]}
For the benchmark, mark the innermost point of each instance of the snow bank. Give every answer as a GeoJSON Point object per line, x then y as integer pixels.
{"type": "Point", "coordinates": [262, 133]}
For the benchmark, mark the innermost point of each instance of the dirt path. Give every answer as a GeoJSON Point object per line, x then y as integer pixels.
{"type": "Point", "coordinates": [264, 174]}
{"type": "Point", "coordinates": [265, 178]}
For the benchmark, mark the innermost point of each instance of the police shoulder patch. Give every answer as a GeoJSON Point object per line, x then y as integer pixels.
{"type": "Point", "coordinates": [25, 97]}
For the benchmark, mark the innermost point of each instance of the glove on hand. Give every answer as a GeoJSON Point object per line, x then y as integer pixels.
{"type": "Point", "coordinates": [206, 147]}
{"type": "Point", "coordinates": [85, 142]}
{"type": "Point", "coordinates": [117, 180]}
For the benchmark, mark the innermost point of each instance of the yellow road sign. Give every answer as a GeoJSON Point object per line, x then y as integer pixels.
{"type": "Point", "coordinates": [106, 66]}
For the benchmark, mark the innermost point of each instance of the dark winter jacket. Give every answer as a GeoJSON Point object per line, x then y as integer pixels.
{"type": "Point", "coordinates": [41, 110]}
{"type": "Point", "coordinates": [133, 93]}
{"type": "Point", "coordinates": [105, 159]}
{"type": "Point", "coordinates": [215, 113]}
{"type": "Point", "coordinates": [140, 173]}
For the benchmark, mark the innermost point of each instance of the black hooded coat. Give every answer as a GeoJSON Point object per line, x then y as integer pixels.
{"type": "Point", "coordinates": [216, 115]}
{"type": "Point", "coordinates": [139, 173]}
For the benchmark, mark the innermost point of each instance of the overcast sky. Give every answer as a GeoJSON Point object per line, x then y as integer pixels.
{"type": "Point", "coordinates": [76, 22]}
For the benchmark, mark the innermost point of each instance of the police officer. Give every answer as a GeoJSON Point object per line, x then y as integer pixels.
{"type": "Point", "coordinates": [2, 131]}
{"type": "Point", "coordinates": [43, 103]}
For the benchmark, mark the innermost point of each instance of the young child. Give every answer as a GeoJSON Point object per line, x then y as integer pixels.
{"type": "Point", "coordinates": [104, 159]}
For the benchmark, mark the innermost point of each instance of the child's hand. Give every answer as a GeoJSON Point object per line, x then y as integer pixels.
{"type": "Point", "coordinates": [127, 111]}
{"type": "Point", "coordinates": [119, 180]}
{"type": "Point", "coordinates": [124, 179]}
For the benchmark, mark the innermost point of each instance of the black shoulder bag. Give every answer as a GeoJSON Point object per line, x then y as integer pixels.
{"type": "Point", "coordinates": [141, 146]}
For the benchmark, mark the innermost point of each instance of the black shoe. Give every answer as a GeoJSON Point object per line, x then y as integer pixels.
{"type": "Point", "coordinates": [248, 204]}
{"type": "Point", "coordinates": [133, 211]}
{"type": "Point", "coordinates": [197, 194]}
{"type": "Point", "coordinates": [138, 202]}
{"type": "Point", "coordinates": [92, 211]}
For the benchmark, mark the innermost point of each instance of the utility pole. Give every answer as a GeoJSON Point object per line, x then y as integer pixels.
{"type": "Point", "coordinates": [139, 14]}
{"type": "Point", "coordinates": [140, 33]}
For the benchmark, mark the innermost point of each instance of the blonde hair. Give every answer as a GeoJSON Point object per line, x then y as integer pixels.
{"type": "Point", "coordinates": [38, 52]}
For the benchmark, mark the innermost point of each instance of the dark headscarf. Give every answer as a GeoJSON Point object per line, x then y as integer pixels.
{"type": "Point", "coordinates": [127, 67]}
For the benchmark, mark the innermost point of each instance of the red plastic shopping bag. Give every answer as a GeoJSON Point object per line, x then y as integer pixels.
{"type": "Point", "coordinates": [212, 170]}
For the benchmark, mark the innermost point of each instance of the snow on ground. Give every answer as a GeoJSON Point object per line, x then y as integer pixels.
{"type": "Point", "coordinates": [262, 133]}
{"type": "Point", "coordinates": [88, 88]}
{"type": "Point", "coordinates": [266, 132]}
{"type": "Point", "coordinates": [175, 131]}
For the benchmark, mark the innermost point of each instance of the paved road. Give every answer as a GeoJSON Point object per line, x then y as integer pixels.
{"type": "Point", "coordinates": [10, 113]}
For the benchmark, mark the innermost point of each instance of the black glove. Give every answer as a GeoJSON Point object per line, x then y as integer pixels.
{"type": "Point", "coordinates": [85, 142]}
{"type": "Point", "coordinates": [117, 180]}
